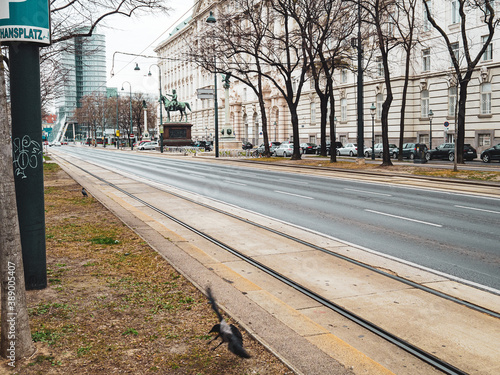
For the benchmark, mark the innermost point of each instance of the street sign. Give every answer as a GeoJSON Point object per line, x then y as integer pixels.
{"type": "Point", "coordinates": [446, 124]}
{"type": "Point", "coordinates": [25, 21]}
{"type": "Point", "coordinates": [205, 93]}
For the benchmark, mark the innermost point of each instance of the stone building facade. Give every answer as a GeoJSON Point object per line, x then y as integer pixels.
{"type": "Point", "coordinates": [432, 87]}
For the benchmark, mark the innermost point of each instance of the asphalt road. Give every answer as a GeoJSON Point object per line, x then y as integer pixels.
{"type": "Point", "coordinates": [457, 234]}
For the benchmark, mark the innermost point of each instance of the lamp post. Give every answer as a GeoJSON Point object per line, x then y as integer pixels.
{"type": "Point", "coordinates": [275, 131]}
{"type": "Point", "coordinates": [360, 138]}
{"type": "Point", "coordinates": [159, 101]}
{"type": "Point", "coordinates": [430, 128]}
{"type": "Point", "coordinates": [131, 128]}
{"type": "Point", "coordinates": [117, 139]}
{"type": "Point", "coordinates": [211, 19]}
{"type": "Point", "coordinates": [372, 112]}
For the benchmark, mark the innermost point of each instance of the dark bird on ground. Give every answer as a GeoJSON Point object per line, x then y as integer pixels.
{"type": "Point", "coordinates": [84, 192]}
{"type": "Point", "coordinates": [227, 332]}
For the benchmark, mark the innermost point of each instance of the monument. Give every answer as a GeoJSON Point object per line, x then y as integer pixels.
{"type": "Point", "coordinates": [176, 133]}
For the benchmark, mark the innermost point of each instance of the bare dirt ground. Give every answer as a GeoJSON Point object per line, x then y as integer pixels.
{"type": "Point", "coordinates": [114, 306]}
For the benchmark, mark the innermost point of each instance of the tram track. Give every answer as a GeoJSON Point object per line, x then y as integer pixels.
{"type": "Point", "coordinates": [422, 355]}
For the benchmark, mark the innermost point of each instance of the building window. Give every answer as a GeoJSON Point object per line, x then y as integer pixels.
{"type": "Point", "coordinates": [455, 15]}
{"type": "Point", "coordinates": [380, 101]}
{"type": "Point", "coordinates": [486, 98]}
{"type": "Point", "coordinates": [343, 76]}
{"type": "Point", "coordinates": [427, 25]}
{"type": "Point", "coordinates": [488, 52]}
{"type": "Point", "coordinates": [312, 139]}
{"type": "Point", "coordinates": [343, 110]}
{"type": "Point", "coordinates": [455, 48]}
{"type": "Point", "coordinates": [380, 67]}
{"type": "Point", "coordinates": [484, 140]}
{"type": "Point", "coordinates": [424, 104]}
{"type": "Point", "coordinates": [313, 112]}
{"type": "Point", "coordinates": [426, 60]}
{"type": "Point", "coordinates": [452, 101]}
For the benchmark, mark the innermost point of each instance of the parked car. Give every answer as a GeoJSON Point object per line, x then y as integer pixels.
{"type": "Point", "coordinates": [492, 153]}
{"type": "Point", "coordinates": [149, 145]}
{"type": "Point", "coordinates": [285, 149]}
{"type": "Point", "coordinates": [207, 145]}
{"type": "Point", "coordinates": [272, 146]}
{"type": "Point", "coordinates": [246, 146]}
{"type": "Point", "coordinates": [379, 149]}
{"type": "Point", "coordinates": [308, 148]}
{"type": "Point", "coordinates": [410, 150]}
{"type": "Point", "coordinates": [447, 151]}
{"type": "Point", "coordinates": [350, 149]}
{"type": "Point", "coordinates": [328, 147]}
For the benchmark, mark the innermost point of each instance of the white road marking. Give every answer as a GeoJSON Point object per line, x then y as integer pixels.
{"type": "Point", "coordinates": [369, 192]}
{"type": "Point", "coordinates": [405, 218]}
{"type": "Point", "coordinates": [477, 209]}
{"type": "Point", "coordinates": [295, 195]}
{"type": "Point", "coordinates": [235, 183]}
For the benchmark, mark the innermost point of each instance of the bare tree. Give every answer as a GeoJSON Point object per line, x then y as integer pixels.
{"type": "Point", "coordinates": [15, 336]}
{"type": "Point", "coordinates": [406, 34]}
{"type": "Point", "coordinates": [330, 24]}
{"type": "Point", "coordinates": [467, 47]}
{"type": "Point", "coordinates": [382, 18]}
{"type": "Point", "coordinates": [80, 18]}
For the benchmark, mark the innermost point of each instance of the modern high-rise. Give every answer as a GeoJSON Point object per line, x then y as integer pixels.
{"type": "Point", "coordinates": [84, 61]}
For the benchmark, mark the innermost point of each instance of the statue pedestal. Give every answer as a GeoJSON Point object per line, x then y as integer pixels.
{"type": "Point", "coordinates": [177, 134]}
{"type": "Point", "coordinates": [229, 143]}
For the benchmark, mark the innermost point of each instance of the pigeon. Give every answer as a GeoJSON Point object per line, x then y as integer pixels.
{"type": "Point", "coordinates": [84, 192]}
{"type": "Point", "coordinates": [227, 332]}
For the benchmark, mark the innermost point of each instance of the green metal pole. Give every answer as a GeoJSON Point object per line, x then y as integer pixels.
{"type": "Point", "coordinates": [28, 160]}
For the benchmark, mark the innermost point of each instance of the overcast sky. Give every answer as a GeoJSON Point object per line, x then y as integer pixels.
{"type": "Point", "coordinates": [139, 35]}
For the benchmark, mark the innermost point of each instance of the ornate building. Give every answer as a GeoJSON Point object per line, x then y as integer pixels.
{"type": "Point", "coordinates": [432, 87]}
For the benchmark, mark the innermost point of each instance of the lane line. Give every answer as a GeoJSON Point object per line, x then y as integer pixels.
{"type": "Point", "coordinates": [405, 218]}
{"type": "Point", "coordinates": [368, 192]}
{"type": "Point", "coordinates": [478, 209]}
{"type": "Point", "coordinates": [235, 183]}
{"type": "Point", "coordinates": [295, 195]}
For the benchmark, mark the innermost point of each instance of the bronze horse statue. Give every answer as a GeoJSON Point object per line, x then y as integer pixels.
{"type": "Point", "coordinates": [175, 106]}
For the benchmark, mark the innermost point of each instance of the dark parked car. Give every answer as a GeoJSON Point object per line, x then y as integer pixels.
{"type": "Point", "coordinates": [492, 153]}
{"type": "Point", "coordinates": [328, 148]}
{"type": "Point", "coordinates": [246, 146]}
{"type": "Point", "coordinates": [447, 151]}
{"type": "Point", "coordinates": [410, 150]}
{"type": "Point", "coordinates": [207, 145]}
{"type": "Point", "coordinates": [308, 148]}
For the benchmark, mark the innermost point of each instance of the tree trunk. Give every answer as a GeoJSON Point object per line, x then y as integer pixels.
{"type": "Point", "coordinates": [462, 102]}
{"type": "Point", "coordinates": [15, 339]}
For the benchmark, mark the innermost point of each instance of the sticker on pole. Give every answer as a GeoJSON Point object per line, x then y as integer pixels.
{"type": "Point", "coordinates": [26, 21]}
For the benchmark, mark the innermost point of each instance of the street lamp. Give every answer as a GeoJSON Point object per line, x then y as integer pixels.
{"type": "Point", "coordinates": [117, 140]}
{"type": "Point", "coordinates": [430, 128]}
{"type": "Point", "coordinates": [211, 19]}
{"type": "Point", "coordinates": [372, 112]}
{"type": "Point", "coordinates": [131, 129]}
{"type": "Point", "coordinates": [159, 101]}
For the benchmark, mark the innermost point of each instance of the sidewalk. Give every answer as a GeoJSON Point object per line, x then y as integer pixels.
{"type": "Point", "coordinates": [246, 298]}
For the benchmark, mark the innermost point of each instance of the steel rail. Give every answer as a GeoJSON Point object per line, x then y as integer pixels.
{"type": "Point", "coordinates": [419, 353]}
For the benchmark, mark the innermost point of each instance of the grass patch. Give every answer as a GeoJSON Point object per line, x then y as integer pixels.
{"type": "Point", "coordinates": [104, 241]}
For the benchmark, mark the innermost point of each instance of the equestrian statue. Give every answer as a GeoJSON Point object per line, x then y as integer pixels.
{"type": "Point", "coordinates": [174, 105]}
